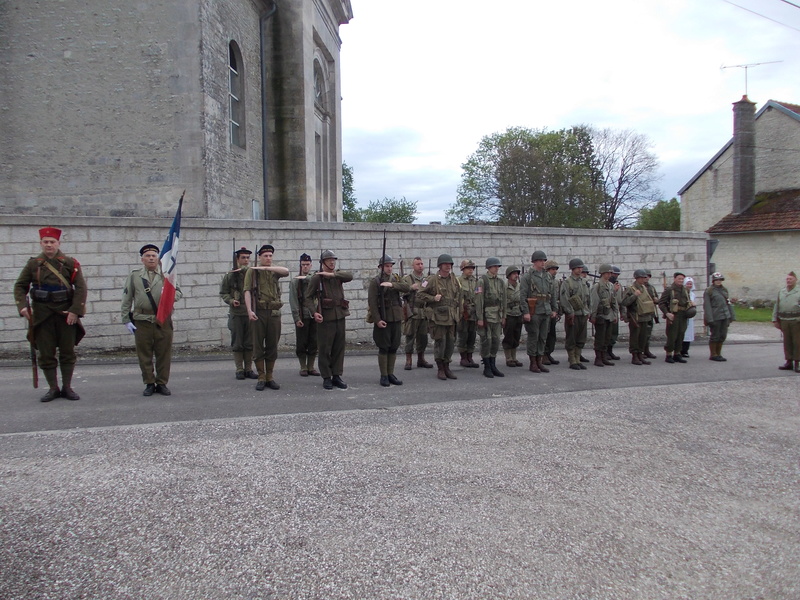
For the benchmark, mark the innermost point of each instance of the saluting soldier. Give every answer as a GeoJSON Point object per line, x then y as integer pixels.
{"type": "Point", "coordinates": [574, 302]}
{"type": "Point", "coordinates": [551, 267]}
{"type": "Point", "coordinates": [490, 306]}
{"type": "Point", "coordinates": [717, 315]}
{"type": "Point", "coordinates": [231, 290]}
{"type": "Point", "coordinates": [325, 298]}
{"type": "Point", "coordinates": [441, 295]}
{"type": "Point", "coordinates": [512, 330]}
{"type": "Point", "coordinates": [262, 296]}
{"type": "Point", "coordinates": [305, 327]}
{"type": "Point", "coordinates": [58, 293]}
{"type": "Point", "coordinates": [602, 304]}
{"type": "Point", "coordinates": [786, 317]}
{"type": "Point", "coordinates": [140, 299]}
{"type": "Point", "coordinates": [386, 310]}
{"type": "Point", "coordinates": [538, 307]}
{"type": "Point", "coordinates": [468, 324]}
{"type": "Point", "coordinates": [677, 307]}
{"type": "Point", "coordinates": [640, 308]}
{"type": "Point", "coordinates": [416, 324]}
{"type": "Point", "coordinates": [619, 311]}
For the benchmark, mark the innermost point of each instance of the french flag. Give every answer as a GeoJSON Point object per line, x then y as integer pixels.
{"type": "Point", "coordinates": [169, 264]}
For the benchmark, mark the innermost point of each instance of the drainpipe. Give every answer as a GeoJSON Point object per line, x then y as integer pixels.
{"type": "Point", "coordinates": [264, 129]}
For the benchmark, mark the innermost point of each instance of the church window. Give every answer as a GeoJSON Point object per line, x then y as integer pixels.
{"type": "Point", "coordinates": [236, 95]}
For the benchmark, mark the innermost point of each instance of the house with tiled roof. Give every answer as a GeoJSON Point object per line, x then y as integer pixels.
{"type": "Point", "coordinates": [747, 198]}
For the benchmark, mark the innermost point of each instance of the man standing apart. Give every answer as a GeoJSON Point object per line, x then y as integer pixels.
{"type": "Point", "coordinates": [717, 315]}
{"type": "Point", "coordinates": [416, 325]}
{"type": "Point", "coordinates": [512, 330]}
{"type": "Point", "coordinates": [640, 309]}
{"type": "Point", "coordinates": [305, 327]}
{"type": "Point", "coordinates": [325, 299]}
{"type": "Point", "coordinates": [231, 290]}
{"type": "Point", "coordinates": [574, 301]}
{"type": "Point", "coordinates": [441, 295]}
{"type": "Point", "coordinates": [675, 304]}
{"type": "Point", "coordinates": [140, 299]}
{"type": "Point", "coordinates": [386, 308]}
{"type": "Point", "coordinates": [786, 317]}
{"type": "Point", "coordinates": [262, 296]}
{"type": "Point", "coordinates": [468, 325]}
{"type": "Point", "coordinates": [602, 305]}
{"type": "Point", "coordinates": [58, 292]}
{"type": "Point", "coordinates": [490, 305]}
{"type": "Point", "coordinates": [538, 307]}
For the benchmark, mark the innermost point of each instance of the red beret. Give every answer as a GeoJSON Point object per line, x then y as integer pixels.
{"type": "Point", "coordinates": [50, 232]}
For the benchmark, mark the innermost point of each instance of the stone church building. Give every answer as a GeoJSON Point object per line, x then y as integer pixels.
{"type": "Point", "coordinates": [110, 108]}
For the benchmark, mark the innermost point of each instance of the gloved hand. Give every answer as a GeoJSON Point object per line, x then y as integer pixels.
{"type": "Point", "coordinates": [131, 327]}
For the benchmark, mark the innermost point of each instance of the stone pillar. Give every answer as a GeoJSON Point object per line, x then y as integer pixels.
{"type": "Point", "coordinates": [744, 155]}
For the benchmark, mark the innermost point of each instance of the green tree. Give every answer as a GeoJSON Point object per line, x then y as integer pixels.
{"type": "Point", "coordinates": [390, 210]}
{"type": "Point", "coordinates": [350, 211]}
{"type": "Point", "coordinates": [665, 215]}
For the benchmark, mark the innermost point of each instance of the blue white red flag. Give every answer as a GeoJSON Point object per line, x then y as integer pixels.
{"type": "Point", "coordinates": [169, 264]}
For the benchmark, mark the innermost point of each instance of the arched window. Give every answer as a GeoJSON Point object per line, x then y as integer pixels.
{"type": "Point", "coordinates": [236, 95]}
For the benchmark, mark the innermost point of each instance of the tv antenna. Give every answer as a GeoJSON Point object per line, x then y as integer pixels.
{"type": "Point", "coordinates": [747, 66]}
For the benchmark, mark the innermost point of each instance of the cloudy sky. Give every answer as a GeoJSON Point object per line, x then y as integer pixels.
{"type": "Point", "coordinates": [424, 80]}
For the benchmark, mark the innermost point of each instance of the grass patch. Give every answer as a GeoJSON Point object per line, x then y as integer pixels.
{"type": "Point", "coordinates": [753, 315]}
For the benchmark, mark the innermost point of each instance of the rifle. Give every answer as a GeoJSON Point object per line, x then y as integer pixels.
{"type": "Point", "coordinates": [380, 279]}
{"type": "Point", "coordinates": [235, 265]}
{"type": "Point", "coordinates": [32, 342]}
{"type": "Point", "coordinates": [664, 280]}
{"type": "Point", "coordinates": [429, 267]}
{"type": "Point", "coordinates": [404, 298]}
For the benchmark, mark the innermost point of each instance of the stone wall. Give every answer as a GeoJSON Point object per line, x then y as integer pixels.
{"type": "Point", "coordinates": [108, 250]}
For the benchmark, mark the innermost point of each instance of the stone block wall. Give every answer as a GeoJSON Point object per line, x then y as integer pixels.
{"type": "Point", "coordinates": [108, 250]}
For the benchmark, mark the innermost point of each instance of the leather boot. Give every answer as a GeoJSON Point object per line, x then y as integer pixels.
{"type": "Point", "coordinates": [421, 362]}
{"type": "Point", "coordinates": [447, 372]}
{"type": "Point", "coordinates": [66, 384]}
{"type": "Point", "coordinates": [493, 364]}
{"type": "Point", "coordinates": [610, 353]}
{"type": "Point", "coordinates": [582, 358]}
{"type": "Point", "coordinates": [720, 358]}
{"type": "Point", "coordinates": [643, 360]}
{"type": "Point", "coordinates": [238, 360]}
{"type": "Point", "coordinates": [546, 359]}
{"type": "Point", "coordinates": [517, 363]}
{"type": "Point", "coordinates": [606, 358]}
{"type": "Point", "coordinates": [472, 364]}
{"type": "Point", "coordinates": [552, 360]}
{"type": "Point", "coordinates": [310, 365]}
{"type": "Point", "coordinates": [51, 394]}
{"type": "Point", "coordinates": [464, 359]}
{"type": "Point", "coordinates": [534, 366]}
{"type": "Point", "coordinates": [509, 361]}
{"type": "Point", "coordinates": [635, 360]}
{"type": "Point", "coordinates": [678, 358]}
{"type": "Point", "coordinates": [598, 360]}
{"type": "Point", "coordinates": [262, 374]}
{"type": "Point", "coordinates": [391, 359]}
{"type": "Point", "coordinates": [787, 366]}
{"type": "Point", "coordinates": [647, 353]}
{"type": "Point", "coordinates": [409, 357]}
{"type": "Point", "coordinates": [487, 368]}
{"type": "Point", "coordinates": [540, 364]}
{"type": "Point", "coordinates": [440, 365]}
{"type": "Point", "coordinates": [382, 360]}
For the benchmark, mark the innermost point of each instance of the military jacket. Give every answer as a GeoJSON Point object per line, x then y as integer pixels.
{"type": "Point", "coordinates": [619, 293]}
{"type": "Point", "coordinates": [602, 301]}
{"type": "Point", "coordinates": [787, 308]}
{"type": "Point", "coordinates": [232, 288]}
{"type": "Point", "coordinates": [446, 311]}
{"type": "Point", "coordinates": [297, 294]}
{"type": "Point", "coordinates": [391, 298]}
{"type": "Point", "coordinates": [674, 299]}
{"type": "Point", "coordinates": [416, 310]}
{"type": "Point", "coordinates": [490, 303]}
{"type": "Point", "coordinates": [513, 308]}
{"type": "Point", "coordinates": [53, 296]}
{"type": "Point", "coordinates": [574, 296]}
{"type": "Point", "coordinates": [326, 294]}
{"type": "Point", "coordinates": [716, 305]}
{"type": "Point", "coordinates": [135, 299]}
{"type": "Point", "coordinates": [539, 285]}
{"type": "Point", "coordinates": [641, 307]}
{"type": "Point", "coordinates": [264, 287]}
{"type": "Point", "coordinates": [468, 287]}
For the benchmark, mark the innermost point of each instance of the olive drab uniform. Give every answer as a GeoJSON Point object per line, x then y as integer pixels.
{"type": "Point", "coordinates": [512, 332]}
{"type": "Point", "coordinates": [640, 308]}
{"type": "Point", "coordinates": [550, 342]}
{"type": "Point", "coordinates": [416, 324]}
{"type": "Point", "coordinates": [717, 314]}
{"type": "Point", "coordinates": [651, 289]}
{"type": "Point", "coordinates": [786, 314]}
{"type": "Point", "coordinates": [574, 302]}
{"type": "Point", "coordinates": [468, 321]}
{"type": "Point", "coordinates": [675, 300]}
{"type": "Point", "coordinates": [443, 317]}
{"type": "Point", "coordinates": [305, 336]}
{"type": "Point", "coordinates": [56, 286]}
{"type": "Point", "coordinates": [603, 310]}
{"type": "Point", "coordinates": [385, 304]}
{"type": "Point", "coordinates": [490, 306]}
{"type": "Point", "coordinates": [325, 295]}
{"type": "Point", "coordinates": [619, 316]}
{"type": "Point", "coordinates": [265, 291]}
{"type": "Point", "coordinates": [232, 289]}
{"type": "Point", "coordinates": [537, 301]}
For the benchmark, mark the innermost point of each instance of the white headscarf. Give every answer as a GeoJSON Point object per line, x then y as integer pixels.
{"type": "Point", "coordinates": [691, 291]}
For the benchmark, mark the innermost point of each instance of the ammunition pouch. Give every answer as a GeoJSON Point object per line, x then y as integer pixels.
{"type": "Point", "coordinates": [40, 295]}
{"type": "Point", "coordinates": [532, 302]}
{"type": "Point", "coordinates": [55, 296]}
{"type": "Point", "coordinates": [332, 303]}
{"type": "Point", "coordinates": [576, 302]}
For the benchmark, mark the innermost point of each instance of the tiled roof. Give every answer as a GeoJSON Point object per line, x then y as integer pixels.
{"type": "Point", "coordinates": [795, 108]}
{"type": "Point", "coordinates": [776, 211]}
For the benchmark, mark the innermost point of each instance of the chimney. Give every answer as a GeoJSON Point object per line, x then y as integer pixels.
{"type": "Point", "coordinates": [744, 155]}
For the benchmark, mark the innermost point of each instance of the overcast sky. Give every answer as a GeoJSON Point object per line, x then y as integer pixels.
{"type": "Point", "coordinates": [424, 80]}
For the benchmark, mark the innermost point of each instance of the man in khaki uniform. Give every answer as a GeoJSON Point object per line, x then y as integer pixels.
{"type": "Point", "coordinates": [551, 267]}
{"type": "Point", "coordinates": [651, 289]}
{"type": "Point", "coordinates": [490, 306]}
{"type": "Point", "coordinates": [58, 291]}
{"type": "Point", "coordinates": [441, 295]}
{"type": "Point", "coordinates": [262, 296]}
{"type": "Point", "coordinates": [574, 302]}
{"type": "Point", "coordinates": [140, 299]}
{"type": "Point", "coordinates": [640, 308]}
{"type": "Point", "coordinates": [386, 310]}
{"type": "Point", "coordinates": [231, 290]}
{"type": "Point", "coordinates": [602, 309]}
{"type": "Point", "coordinates": [675, 303]}
{"type": "Point", "coordinates": [512, 330]}
{"type": "Point", "coordinates": [416, 324]}
{"type": "Point", "coordinates": [538, 307]}
{"type": "Point", "coordinates": [786, 317]}
{"type": "Point", "coordinates": [468, 324]}
{"type": "Point", "coordinates": [305, 327]}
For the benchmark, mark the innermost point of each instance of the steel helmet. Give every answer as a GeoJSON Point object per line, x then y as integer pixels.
{"type": "Point", "coordinates": [493, 261]}
{"type": "Point", "coordinates": [615, 269]}
{"type": "Point", "coordinates": [538, 255]}
{"type": "Point", "coordinates": [444, 258]}
{"type": "Point", "coordinates": [512, 269]}
{"type": "Point", "coordinates": [639, 273]}
{"type": "Point", "coordinates": [466, 264]}
{"type": "Point", "coordinates": [386, 260]}
{"type": "Point", "coordinates": [717, 276]}
{"type": "Point", "coordinates": [326, 254]}
{"type": "Point", "coordinates": [604, 268]}
{"type": "Point", "coordinates": [550, 264]}
{"type": "Point", "coordinates": [575, 263]}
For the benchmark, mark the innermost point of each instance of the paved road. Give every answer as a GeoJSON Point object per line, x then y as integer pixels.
{"type": "Point", "coordinates": [669, 481]}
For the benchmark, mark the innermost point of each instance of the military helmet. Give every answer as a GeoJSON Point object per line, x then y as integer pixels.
{"type": "Point", "coordinates": [386, 260]}
{"type": "Point", "coordinates": [465, 264]}
{"type": "Point", "coordinates": [717, 276]}
{"type": "Point", "coordinates": [575, 263]}
{"type": "Point", "coordinates": [444, 258]}
{"type": "Point", "coordinates": [326, 254]}
{"type": "Point", "coordinates": [493, 261]}
{"type": "Point", "coordinates": [605, 268]}
{"type": "Point", "coordinates": [584, 269]}
{"type": "Point", "coordinates": [615, 269]}
{"type": "Point", "coordinates": [512, 269]}
{"type": "Point", "coordinates": [639, 273]}
{"type": "Point", "coordinates": [550, 264]}
{"type": "Point", "coordinates": [538, 255]}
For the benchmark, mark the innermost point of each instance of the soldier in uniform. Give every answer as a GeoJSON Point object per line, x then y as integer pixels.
{"type": "Point", "coordinates": [58, 291]}
{"type": "Point", "coordinates": [551, 267]}
{"type": "Point", "coordinates": [231, 290]}
{"type": "Point", "coordinates": [717, 315]}
{"type": "Point", "coordinates": [386, 311]}
{"type": "Point", "coordinates": [538, 307]}
{"type": "Point", "coordinates": [676, 304]}
{"type": "Point", "coordinates": [305, 327]}
{"type": "Point", "coordinates": [619, 311]}
{"type": "Point", "coordinates": [416, 325]}
{"type": "Point", "coordinates": [490, 306]}
{"type": "Point", "coordinates": [602, 304]}
{"type": "Point", "coordinates": [262, 296]}
{"type": "Point", "coordinates": [441, 294]}
{"type": "Point", "coordinates": [585, 276]}
{"type": "Point", "coordinates": [786, 317]}
{"type": "Point", "coordinates": [512, 331]}
{"type": "Point", "coordinates": [468, 325]}
{"type": "Point", "coordinates": [651, 289]}
{"type": "Point", "coordinates": [140, 299]}
{"type": "Point", "coordinates": [574, 301]}
{"type": "Point", "coordinates": [640, 308]}
{"type": "Point", "coordinates": [325, 298]}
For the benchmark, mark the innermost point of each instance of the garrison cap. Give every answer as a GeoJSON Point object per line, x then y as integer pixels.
{"type": "Point", "coordinates": [242, 250]}
{"type": "Point", "coordinates": [266, 248]}
{"type": "Point", "coordinates": [52, 232]}
{"type": "Point", "coordinates": [305, 257]}
{"type": "Point", "coordinates": [677, 274]}
{"type": "Point", "coordinates": [147, 247]}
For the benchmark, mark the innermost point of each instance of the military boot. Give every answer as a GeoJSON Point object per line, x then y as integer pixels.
{"type": "Point", "coordinates": [797, 366]}
{"type": "Point", "coordinates": [574, 356]}
{"type": "Point", "coordinates": [534, 366]}
{"type": "Point", "coordinates": [552, 360]}
{"type": "Point", "coordinates": [464, 359]}
{"type": "Point", "coordinates": [409, 358]}
{"type": "Point", "coordinates": [248, 370]}
{"type": "Point", "coordinates": [517, 363]}
{"type": "Point", "coordinates": [66, 384]}
{"type": "Point", "coordinates": [493, 364]}
{"type": "Point", "coordinates": [787, 366]}
{"type": "Point", "coordinates": [610, 353]}
{"type": "Point", "coordinates": [390, 362]}
{"type": "Point", "coordinates": [447, 372]}
{"type": "Point", "coordinates": [510, 362]}
{"type": "Point", "coordinates": [472, 364]}
{"type": "Point", "coordinates": [643, 360]}
{"type": "Point", "coordinates": [262, 376]}
{"type": "Point", "coordinates": [647, 353]}
{"type": "Point", "coordinates": [678, 358]}
{"type": "Point", "coordinates": [52, 381]}
{"type": "Point", "coordinates": [310, 365]}
{"type": "Point", "coordinates": [487, 368]}
{"type": "Point", "coordinates": [635, 360]}
{"type": "Point", "coordinates": [540, 362]}
{"type": "Point", "coordinates": [238, 360]}
{"type": "Point", "coordinates": [421, 362]}
{"type": "Point", "coordinates": [303, 359]}
{"type": "Point", "coordinates": [598, 359]}
{"type": "Point", "coordinates": [382, 366]}
{"type": "Point", "coordinates": [440, 365]}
